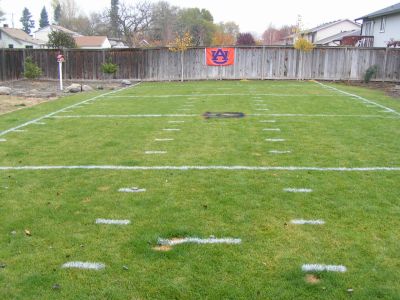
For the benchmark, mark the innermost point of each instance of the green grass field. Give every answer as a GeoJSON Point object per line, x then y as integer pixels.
{"type": "Point", "coordinates": [63, 162]}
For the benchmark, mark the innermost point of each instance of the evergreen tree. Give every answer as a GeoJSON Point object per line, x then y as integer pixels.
{"type": "Point", "coordinates": [44, 18]}
{"type": "Point", "coordinates": [60, 39]}
{"type": "Point", "coordinates": [57, 13]}
{"type": "Point", "coordinates": [114, 18]}
{"type": "Point", "coordinates": [26, 20]}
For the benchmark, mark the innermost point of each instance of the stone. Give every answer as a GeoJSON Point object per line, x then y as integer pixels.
{"type": "Point", "coordinates": [87, 88]}
{"type": "Point", "coordinates": [5, 90]}
{"type": "Point", "coordinates": [397, 87]}
{"type": "Point", "coordinates": [126, 82]}
{"type": "Point", "coordinates": [73, 88]}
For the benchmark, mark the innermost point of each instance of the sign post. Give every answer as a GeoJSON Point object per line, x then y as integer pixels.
{"type": "Point", "coordinates": [60, 60]}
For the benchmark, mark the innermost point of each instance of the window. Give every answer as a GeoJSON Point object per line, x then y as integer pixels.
{"type": "Point", "coordinates": [369, 28]}
{"type": "Point", "coordinates": [383, 24]}
{"type": "Point", "coordinates": [10, 46]}
{"type": "Point", "coordinates": [28, 47]}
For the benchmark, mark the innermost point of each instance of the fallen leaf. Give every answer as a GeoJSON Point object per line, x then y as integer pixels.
{"type": "Point", "coordinates": [28, 232]}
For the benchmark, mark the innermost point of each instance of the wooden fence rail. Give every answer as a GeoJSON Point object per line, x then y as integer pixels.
{"type": "Point", "coordinates": [327, 63]}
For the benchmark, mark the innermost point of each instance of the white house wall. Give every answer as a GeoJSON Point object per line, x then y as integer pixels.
{"type": "Point", "coordinates": [335, 29]}
{"type": "Point", "coordinates": [43, 34]}
{"type": "Point", "coordinates": [6, 40]}
{"type": "Point", "coordinates": [392, 30]}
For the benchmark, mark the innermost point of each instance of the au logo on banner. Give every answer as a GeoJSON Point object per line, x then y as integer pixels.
{"type": "Point", "coordinates": [220, 56]}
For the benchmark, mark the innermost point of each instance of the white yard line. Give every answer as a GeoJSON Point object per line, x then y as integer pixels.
{"type": "Point", "coordinates": [62, 110]}
{"type": "Point", "coordinates": [359, 98]}
{"type": "Point", "coordinates": [171, 129]}
{"type": "Point", "coordinates": [296, 190]}
{"type": "Point", "coordinates": [217, 95]}
{"type": "Point", "coordinates": [275, 140]}
{"type": "Point", "coordinates": [83, 265]}
{"type": "Point", "coordinates": [271, 129]}
{"type": "Point", "coordinates": [279, 152]}
{"type": "Point", "coordinates": [163, 140]}
{"type": "Point", "coordinates": [320, 268]}
{"type": "Point", "coordinates": [307, 222]}
{"type": "Point", "coordinates": [195, 240]}
{"type": "Point", "coordinates": [202, 168]}
{"type": "Point", "coordinates": [177, 122]}
{"type": "Point", "coordinates": [131, 190]}
{"type": "Point", "coordinates": [125, 116]}
{"type": "Point", "coordinates": [268, 121]}
{"type": "Point", "coordinates": [155, 152]}
{"type": "Point", "coordinates": [112, 222]}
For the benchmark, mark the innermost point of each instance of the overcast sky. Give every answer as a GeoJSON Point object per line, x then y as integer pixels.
{"type": "Point", "coordinates": [251, 15]}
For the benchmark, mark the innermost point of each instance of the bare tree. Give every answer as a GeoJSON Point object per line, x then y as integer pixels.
{"type": "Point", "coordinates": [134, 21]}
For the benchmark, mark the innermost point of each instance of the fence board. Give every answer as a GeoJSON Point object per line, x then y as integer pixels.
{"type": "Point", "coordinates": [323, 63]}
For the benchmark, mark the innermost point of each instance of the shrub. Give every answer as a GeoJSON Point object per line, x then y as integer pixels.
{"type": "Point", "coordinates": [31, 69]}
{"type": "Point", "coordinates": [303, 44]}
{"type": "Point", "coordinates": [109, 67]}
{"type": "Point", "coordinates": [371, 71]}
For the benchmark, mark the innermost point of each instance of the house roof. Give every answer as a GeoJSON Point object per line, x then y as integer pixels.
{"type": "Point", "coordinates": [19, 34]}
{"type": "Point", "coordinates": [59, 28]}
{"type": "Point", "coordinates": [329, 24]}
{"type": "Point", "coordinates": [338, 37]}
{"type": "Point", "coordinates": [393, 9]}
{"type": "Point", "coordinates": [90, 41]}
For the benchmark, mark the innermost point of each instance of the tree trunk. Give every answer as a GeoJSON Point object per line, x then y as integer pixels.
{"type": "Point", "coordinates": [182, 52]}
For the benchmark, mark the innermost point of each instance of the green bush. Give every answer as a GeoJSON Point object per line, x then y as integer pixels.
{"type": "Point", "coordinates": [109, 67]}
{"type": "Point", "coordinates": [32, 70]}
{"type": "Point", "coordinates": [371, 71]}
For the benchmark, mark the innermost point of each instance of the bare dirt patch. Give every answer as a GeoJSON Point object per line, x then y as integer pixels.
{"type": "Point", "coordinates": [391, 89]}
{"type": "Point", "coordinates": [312, 279]}
{"type": "Point", "coordinates": [26, 93]}
{"type": "Point", "coordinates": [162, 248]}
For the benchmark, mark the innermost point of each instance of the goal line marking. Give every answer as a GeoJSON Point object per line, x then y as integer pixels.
{"type": "Point", "coordinates": [63, 109]}
{"type": "Point", "coordinates": [201, 168]}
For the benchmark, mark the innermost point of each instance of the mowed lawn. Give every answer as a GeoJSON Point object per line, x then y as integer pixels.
{"type": "Point", "coordinates": [203, 178]}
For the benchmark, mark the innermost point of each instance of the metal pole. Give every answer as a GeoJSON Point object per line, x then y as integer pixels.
{"type": "Point", "coordinates": [60, 75]}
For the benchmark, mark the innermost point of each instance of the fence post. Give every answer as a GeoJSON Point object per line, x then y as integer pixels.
{"type": "Point", "coordinates": [384, 65]}
{"type": "Point", "coordinates": [262, 62]}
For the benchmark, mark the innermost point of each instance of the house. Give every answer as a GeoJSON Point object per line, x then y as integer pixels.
{"type": "Point", "coordinates": [43, 33]}
{"type": "Point", "coordinates": [17, 38]}
{"type": "Point", "coordinates": [92, 42]}
{"type": "Point", "coordinates": [383, 25]}
{"type": "Point", "coordinates": [325, 34]}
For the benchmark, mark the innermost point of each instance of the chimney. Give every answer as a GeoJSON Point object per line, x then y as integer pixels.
{"type": "Point", "coordinates": [5, 25]}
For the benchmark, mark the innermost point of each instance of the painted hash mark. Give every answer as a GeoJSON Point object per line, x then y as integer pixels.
{"type": "Point", "coordinates": [163, 140]}
{"type": "Point", "coordinates": [279, 152]}
{"type": "Point", "coordinates": [84, 265]}
{"type": "Point", "coordinates": [268, 121]}
{"type": "Point", "coordinates": [112, 222]}
{"type": "Point", "coordinates": [155, 152]}
{"type": "Point", "coordinates": [320, 268]}
{"type": "Point", "coordinates": [307, 222]}
{"type": "Point", "coordinates": [271, 129]}
{"type": "Point", "coordinates": [275, 140]}
{"type": "Point", "coordinates": [3, 140]}
{"type": "Point", "coordinates": [293, 190]}
{"type": "Point", "coordinates": [176, 122]}
{"type": "Point", "coordinates": [195, 240]}
{"type": "Point", "coordinates": [131, 190]}
{"type": "Point", "coordinates": [171, 129]}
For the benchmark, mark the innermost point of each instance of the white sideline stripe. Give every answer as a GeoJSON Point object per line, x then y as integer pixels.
{"type": "Point", "coordinates": [19, 130]}
{"type": "Point", "coordinates": [163, 140]}
{"type": "Point", "coordinates": [196, 240]}
{"type": "Point", "coordinates": [39, 123]}
{"type": "Point", "coordinates": [264, 109]}
{"type": "Point", "coordinates": [217, 95]}
{"type": "Point", "coordinates": [271, 129]}
{"type": "Point", "coordinates": [320, 268]}
{"type": "Point", "coordinates": [83, 265]}
{"type": "Point", "coordinates": [268, 121]}
{"type": "Point", "coordinates": [124, 116]}
{"type": "Point", "coordinates": [155, 152]}
{"type": "Point", "coordinates": [360, 98]}
{"type": "Point", "coordinates": [279, 152]}
{"type": "Point", "coordinates": [275, 140]}
{"type": "Point", "coordinates": [113, 222]}
{"type": "Point", "coordinates": [131, 190]}
{"type": "Point", "coordinates": [260, 104]}
{"type": "Point", "coordinates": [35, 121]}
{"type": "Point", "coordinates": [201, 168]}
{"type": "Point", "coordinates": [171, 129]}
{"type": "Point", "coordinates": [3, 140]}
{"type": "Point", "coordinates": [307, 222]}
{"type": "Point", "coordinates": [293, 190]}
{"type": "Point", "coordinates": [176, 122]}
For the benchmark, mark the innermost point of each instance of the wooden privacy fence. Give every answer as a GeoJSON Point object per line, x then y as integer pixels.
{"type": "Point", "coordinates": [327, 63]}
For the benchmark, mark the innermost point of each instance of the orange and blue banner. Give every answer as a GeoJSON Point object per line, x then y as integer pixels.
{"type": "Point", "coordinates": [220, 56]}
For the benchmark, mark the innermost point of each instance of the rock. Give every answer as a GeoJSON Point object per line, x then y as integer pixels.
{"type": "Point", "coordinates": [56, 286]}
{"type": "Point", "coordinates": [2, 265]}
{"type": "Point", "coordinates": [397, 87]}
{"type": "Point", "coordinates": [125, 268]}
{"type": "Point", "coordinates": [5, 90]}
{"type": "Point", "coordinates": [73, 88]}
{"type": "Point", "coordinates": [100, 87]}
{"type": "Point", "coordinates": [87, 88]}
{"type": "Point", "coordinates": [126, 82]}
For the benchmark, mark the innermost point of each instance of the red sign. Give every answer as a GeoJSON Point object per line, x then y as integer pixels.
{"type": "Point", "coordinates": [60, 58]}
{"type": "Point", "coordinates": [220, 56]}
